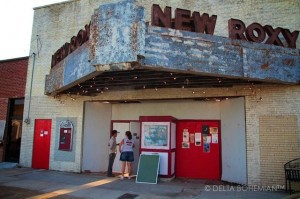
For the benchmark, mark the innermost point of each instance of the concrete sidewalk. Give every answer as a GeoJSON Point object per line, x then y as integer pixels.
{"type": "Point", "coordinates": [49, 184]}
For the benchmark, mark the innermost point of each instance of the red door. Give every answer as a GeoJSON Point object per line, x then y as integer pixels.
{"type": "Point", "coordinates": [198, 155]}
{"type": "Point", "coordinates": [41, 144]}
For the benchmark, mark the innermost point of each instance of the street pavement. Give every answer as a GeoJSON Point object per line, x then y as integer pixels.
{"type": "Point", "coordinates": [32, 183]}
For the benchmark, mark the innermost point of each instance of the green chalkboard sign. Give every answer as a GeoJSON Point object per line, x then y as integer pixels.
{"type": "Point", "coordinates": [148, 168]}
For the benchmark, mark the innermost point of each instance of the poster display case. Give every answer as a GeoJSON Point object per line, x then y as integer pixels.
{"type": "Point", "coordinates": [158, 136]}
{"type": "Point", "coordinates": [155, 135]}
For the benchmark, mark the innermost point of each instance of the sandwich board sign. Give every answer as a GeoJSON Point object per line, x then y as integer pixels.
{"type": "Point", "coordinates": [148, 169]}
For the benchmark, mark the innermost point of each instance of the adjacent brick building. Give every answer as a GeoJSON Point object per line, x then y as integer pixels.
{"type": "Point", "coordinates": [131, 68]}
{"type": "Point", "coordinates": [13, 73]}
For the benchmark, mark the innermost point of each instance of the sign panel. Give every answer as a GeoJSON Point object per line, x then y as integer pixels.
{"type": "Point", "coordinates": [155, 135]}
{"type": "Point", "coordinates": [65, 136]}
{"type": "Point", "coordinates": [148, 169]}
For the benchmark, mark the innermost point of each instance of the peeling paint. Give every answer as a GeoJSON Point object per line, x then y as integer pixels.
{"type": "Point", "coordinates": [120, 40]}
{"type": "Point", "coordinates": [121, 33]}
{"type": "Point", "coordinates": [221, 56]}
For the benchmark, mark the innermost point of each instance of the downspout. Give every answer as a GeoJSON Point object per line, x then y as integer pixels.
{"type": "Point", "coordinates": [27, 119]}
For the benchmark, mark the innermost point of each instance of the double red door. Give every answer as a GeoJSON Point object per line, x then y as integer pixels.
{"type": "Point", "coordinates": [198, 149]}
{"type": "Point", "coordinates": [41, 144]}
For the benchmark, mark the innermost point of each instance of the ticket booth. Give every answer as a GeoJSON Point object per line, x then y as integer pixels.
{"type": "Point", "coordinates": [158, 136]}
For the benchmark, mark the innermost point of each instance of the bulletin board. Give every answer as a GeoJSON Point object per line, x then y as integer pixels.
{"type": "Point", "coordinates": [148, 169]}
{"type": "Point", "coordinates": [198, 151]}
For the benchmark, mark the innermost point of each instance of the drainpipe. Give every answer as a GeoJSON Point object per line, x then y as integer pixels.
{"type": "Point", "coordinates": [27, 119]}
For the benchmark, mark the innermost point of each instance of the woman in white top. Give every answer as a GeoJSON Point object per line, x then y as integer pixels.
{"type": "Point", "coordinates": [126, 149]}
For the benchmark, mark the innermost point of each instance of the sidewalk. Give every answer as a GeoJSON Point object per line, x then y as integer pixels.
{"type": "Point", "coordinates": [55, 184]}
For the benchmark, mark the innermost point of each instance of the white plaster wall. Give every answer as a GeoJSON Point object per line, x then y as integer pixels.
{"type": "Point", "coordinates": [233, 136]}
{"type": "Point", "coordinates": [177, 109]}
{"type": "Point", "coordinates": [95, 136]}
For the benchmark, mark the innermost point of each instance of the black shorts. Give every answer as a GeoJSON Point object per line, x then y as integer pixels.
{"type": "Point", "coordinates": [127, 156]}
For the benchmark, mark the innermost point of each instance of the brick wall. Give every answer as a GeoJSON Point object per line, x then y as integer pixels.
{"type": "Point", "coordinates": [13, 75]}
{"type": "Point", "coordinates": [3, 108]}
{"type": "Point", "coordinates": [264, 110]}
{"type": "Point", "coordinates": [65, 19]}
{"type": "Point", "coordinates": [278, 143]}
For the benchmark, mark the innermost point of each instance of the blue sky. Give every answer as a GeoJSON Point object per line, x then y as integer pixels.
{"type": "Point", "coordinates": [16, 25]}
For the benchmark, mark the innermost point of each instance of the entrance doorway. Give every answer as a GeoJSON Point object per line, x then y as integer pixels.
{"type": "Point", "coordinates": [122, 127]}
{"type": "Point", "coordinates": [13, 132]}
{"type": "Point", "coordinates": [41, 144]}
{"type": "Point", "coordinates": [198, 151]}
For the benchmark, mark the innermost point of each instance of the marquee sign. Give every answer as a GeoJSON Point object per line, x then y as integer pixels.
{"type": "Point", "coordinates": [194, 22]}
{"type": "Point", "coordinates": [117, 41]}
{"type": "Point", "coordinates": [68, 48]}
{"type": "Point", "coordinates": [236, 28]}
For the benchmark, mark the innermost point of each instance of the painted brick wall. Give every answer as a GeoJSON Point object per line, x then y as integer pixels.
{"type": "Point", "coordinates": [276, 101]}
{"type": "Point", "coordinates": [278, 143]}
{"type": "Point", "coordinates": [65, 19]}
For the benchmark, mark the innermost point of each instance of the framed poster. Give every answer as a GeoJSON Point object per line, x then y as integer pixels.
{"type": "Point", "coordinates": [198, 139]}
{"type": "Point", "coordinates": [205, 129]}
{"type": "Point", "coordinates": [192, 138]}
{"type": "Point", "coordinates": [185, 136]}
{"type": "Point", "coordinates": [213, 130]}
{"type": "Point", "coordinates": [155, 135]}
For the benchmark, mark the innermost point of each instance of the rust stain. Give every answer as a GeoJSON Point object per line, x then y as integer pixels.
{"type": "Point", "coordinates": [288, 62]}
{"type": "Point", "coordinates": [134, 36]}
{"type": "Point", "coordinates": [265, 66]}
{"type": "Point", "coordinates": [94, 33]}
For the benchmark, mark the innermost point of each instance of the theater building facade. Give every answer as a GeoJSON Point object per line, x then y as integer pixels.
{"type": "Point", "coordinates": [210, 86]}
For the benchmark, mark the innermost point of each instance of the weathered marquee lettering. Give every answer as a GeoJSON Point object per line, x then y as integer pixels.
{"type": "Point", "coordinates": [257, 33]}
{"type": "Point", "coordinates": [73, 44]}
{"type": "Point", "coordinates": [273, 35]}
{"type": "Point", "coordinates": [65, 49]}
{"type": "Point", "coordinates": [183, 20]}
{"type": "Point", "coordinates": [68, 48]}
{"type": "Point", "coordinates": [160, 18]}
{"type": "Point", "coordinates": [236, 29]}
{"type": "Point", "coordinates": [250, 33]}
{"type": "Point", "coordinates": [204, 23]}
{"type": "Point", "coordinates": [195, 23]}
{"type": "Point", "coordinates": [291, 38]}
{"type": "Point", "coordinates": [81, 37]}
